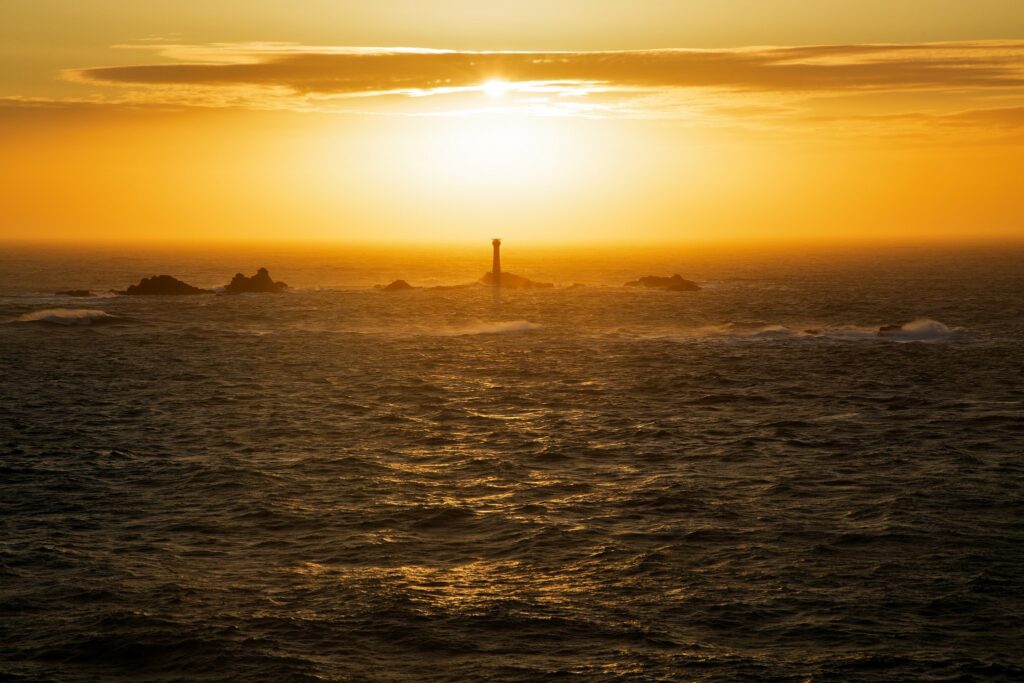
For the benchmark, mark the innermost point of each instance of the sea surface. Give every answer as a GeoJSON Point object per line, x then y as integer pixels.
{"type": "Point", "coordinates": [599, 483]}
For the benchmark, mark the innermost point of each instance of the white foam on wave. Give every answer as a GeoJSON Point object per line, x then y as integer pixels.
{"type": "Point", "coordinates": [762, 332]}
{"type": "Point", "coordinates": [922, 329]}
{"type": "Point", "coordinates": [919, 330]}
{"type": "Point", "coordinates": [68, 316]}
{"type": "Point", "coordinates": [498, 327]}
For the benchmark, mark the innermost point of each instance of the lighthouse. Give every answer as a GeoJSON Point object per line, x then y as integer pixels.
{"type": "Point", "coordinates": [496, 268]}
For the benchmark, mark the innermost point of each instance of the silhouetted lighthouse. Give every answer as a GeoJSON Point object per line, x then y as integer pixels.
{"type": "Point", "coordinates": [496, 268]}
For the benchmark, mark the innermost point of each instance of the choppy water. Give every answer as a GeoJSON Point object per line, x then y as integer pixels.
{"type": "Point", "coordinates": [595, 484]}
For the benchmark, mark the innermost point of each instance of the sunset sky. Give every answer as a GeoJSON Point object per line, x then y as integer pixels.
{"type": "Point", "coordinates": [639, 121]}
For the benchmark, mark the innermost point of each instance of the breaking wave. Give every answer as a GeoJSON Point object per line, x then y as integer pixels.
{"type": "Point", "coordinates": [919, 330]}
{"type": "Point", "coordinates": [68, 316]}
{"type": "Point", "coordinates": [922, 329]}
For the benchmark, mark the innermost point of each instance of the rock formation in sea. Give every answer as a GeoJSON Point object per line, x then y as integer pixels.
{"type": "Point", "coordinates": [261, 282]}
{"type": "Point", "coordinates": [396, 286]}
{"type": "Point", "coordinates": [75, 292]}
{"type": "Point", "coordinates": [468, 285]}
{"type": "Point", "coordinates": [162, 285]}
{"type": "Point", "coordinates": [513, 281]}
{"type": "Point", "coordinates": [676, 283]}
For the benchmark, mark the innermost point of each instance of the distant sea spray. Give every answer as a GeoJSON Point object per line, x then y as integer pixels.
{"type": "Point", "coordinates": [68, 317]}
{"type": "Point", "coordinates": [919, 330]}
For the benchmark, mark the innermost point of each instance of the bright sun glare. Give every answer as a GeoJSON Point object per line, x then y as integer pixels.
{"type": "Point", "coordinates": [496, 87]}
{"type": "Point", "coordinates": [505, 148]}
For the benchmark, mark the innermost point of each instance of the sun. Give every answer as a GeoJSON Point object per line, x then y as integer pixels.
{"type": "Point", "coordinates": [496, 87]}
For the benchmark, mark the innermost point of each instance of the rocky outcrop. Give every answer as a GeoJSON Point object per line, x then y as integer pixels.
{"type": "Point", "coordinates": [162, 285]}
{"type": "Point", "coordinates": [469, 285]}
{"type": "Point", "coordinates": [396, 286]}
{"type": "Point", "coordinates": [75, 292]}
{"type": "Point", "coordinates": [513, 281]}
{"type": "Point", "coordinates": [676, 283]}
{"type": "Point", "coordinates": [260, 283]}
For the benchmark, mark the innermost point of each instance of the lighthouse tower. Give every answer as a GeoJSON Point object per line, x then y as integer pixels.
{"type": "Point", "coordinates": [496, 268]}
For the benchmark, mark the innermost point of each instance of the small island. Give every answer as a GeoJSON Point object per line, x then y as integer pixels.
{"type": "Point", "coordinates": [260, 283]}
{"type": "Point", "coordinates": [396, 286]}
{"type": "Point", "coordinates": [167, 285]}
{"type": "Point", "coordinates": [162, 285]}
{"type": "Point", "coordinates": [676, 283]}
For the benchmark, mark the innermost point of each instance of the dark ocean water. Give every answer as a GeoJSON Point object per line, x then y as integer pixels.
{"type": "Point", "coordinates": [593, 484]}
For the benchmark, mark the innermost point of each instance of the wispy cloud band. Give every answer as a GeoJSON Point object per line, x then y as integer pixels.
{"type": "Point", "coordinates": [332, 71]}
{"type": "Point", "coordinates": [953, 92]}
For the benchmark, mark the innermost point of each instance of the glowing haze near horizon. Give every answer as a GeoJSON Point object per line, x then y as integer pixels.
{"type": "Point", "coordinates": [452, 121]}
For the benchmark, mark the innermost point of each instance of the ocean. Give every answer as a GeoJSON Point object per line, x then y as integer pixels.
{"type": "Point", "coordinates": [597, 483]}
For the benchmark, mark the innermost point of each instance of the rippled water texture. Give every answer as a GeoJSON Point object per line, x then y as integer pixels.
{"type": "Point", "coordinates": [592, 484]}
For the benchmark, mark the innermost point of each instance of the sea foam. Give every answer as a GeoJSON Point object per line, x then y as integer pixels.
{"type": "Point", "coordinates": [919, 330]}
{"type": "Point", "coordinates": [68, 316]}
{"type": "Point", "coordinates": [922, 329]}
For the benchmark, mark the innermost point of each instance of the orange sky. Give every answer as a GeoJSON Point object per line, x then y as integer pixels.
{"type": "Point", "coordinates": [641, 121]}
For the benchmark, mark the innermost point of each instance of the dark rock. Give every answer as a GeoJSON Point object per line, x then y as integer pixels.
{"type": "Point", "coordinates": [75, 292]}
{"type": "Point", "coordinates": [463, 286]}
{"type": "Point", "coordinates": [513, 281]}
{"type": "Point", "coordinates": [162, 285]}
{"type": "Point", "coordinates": [397, 286]}
{"type": "Point", "coordinates": [889, 329]}
{"type": "Point", "coordinates": [259, 283]}
{"type": "Point", "coordinates": [676, 283]}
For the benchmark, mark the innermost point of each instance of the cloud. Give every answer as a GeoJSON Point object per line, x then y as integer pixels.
{"type": "Point", "coordinates": [995, 124]}
{"type": "Point", "coordinates": [35, 109]}
{"type": "Point", "coordinates": [308, 70]}
{"type": "Point", "coordinates": [1001, 117]}
{"type": "Point", "coordinates": [952, 92]}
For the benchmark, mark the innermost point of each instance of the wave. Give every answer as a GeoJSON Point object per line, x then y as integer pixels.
{"type": "Point", "coordinates": [69, 316]}
{"type": "Point", "coordinates": [922, 329]}
{"type": "Point", "coordinates": [919, 330]}
{"type": "Point", "coordinates": [502, 327]}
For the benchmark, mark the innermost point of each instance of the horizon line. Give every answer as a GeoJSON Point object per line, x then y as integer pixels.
{"type": "Point", "coordinates": [573, 244]}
